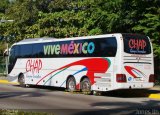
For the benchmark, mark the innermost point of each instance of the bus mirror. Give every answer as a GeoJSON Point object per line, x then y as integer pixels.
{"type": "Point", "coordinates": [5, 53]}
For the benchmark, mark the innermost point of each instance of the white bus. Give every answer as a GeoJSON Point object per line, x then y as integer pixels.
{"type": "Point", "coordinates": [91, 63]}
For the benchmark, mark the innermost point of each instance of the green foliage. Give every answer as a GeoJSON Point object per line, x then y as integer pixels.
{"type": "Point", "coordinates": [69, 18]}
{"type": "Point", "coordinates": [149, 24]}
{"type": "Point", "coordinates": [95, 31]}
{"type": "Point", "coordinates": [4, 5]}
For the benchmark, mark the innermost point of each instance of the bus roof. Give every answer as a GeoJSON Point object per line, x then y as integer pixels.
{"type": "Point", "coordinates": [44, 39]}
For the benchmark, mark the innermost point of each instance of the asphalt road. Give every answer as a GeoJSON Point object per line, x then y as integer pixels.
{"type": "Point", "coordinates": [59, 102]}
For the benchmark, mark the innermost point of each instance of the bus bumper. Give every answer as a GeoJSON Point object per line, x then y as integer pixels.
{"type": "Point", "coordinates": [110, 87]}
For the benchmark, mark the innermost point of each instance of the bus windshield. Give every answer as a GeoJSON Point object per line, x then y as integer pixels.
{"type": "Point", "coordinates": [136, 44]}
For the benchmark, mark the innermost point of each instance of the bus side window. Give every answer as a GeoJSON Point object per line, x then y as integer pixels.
{"type": "Point", "coordinates": [107, 47]}
{"type": "Point", "coordinates": [26, 51]}
{"type": "Point", "coordinates": [38, 50]}
{"type": "Point", "coordinates": [112, 47]}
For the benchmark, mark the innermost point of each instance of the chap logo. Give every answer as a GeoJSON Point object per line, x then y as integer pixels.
{"type": "Point", "coordinates": [137, 44]}
{"type": "Point", "coordinates": [33, 66]}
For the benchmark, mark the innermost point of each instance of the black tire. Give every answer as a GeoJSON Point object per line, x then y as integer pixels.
{"type": "Point", "coordinates": [86, 86]}
{"type": "Point", "coordinates": [71, 84]}
{"type": "Point", "coordinates": [21, 80]}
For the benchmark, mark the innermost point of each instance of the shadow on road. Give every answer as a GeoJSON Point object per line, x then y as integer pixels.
{"type": "Point", "coordinates": [107, 107]}
{"type": "Point", "coordinates": [22, 94]}
{"type": "Point", "coordinates": [128, 93]}
{"type": "Point", "coordinates": [38, 91]}
{"type": "Point", "coordinates": [131, 93]}
{"type": "Point", "coordinates": [48, 88]}
{"type": "Point", "coordinates": [124, 108]}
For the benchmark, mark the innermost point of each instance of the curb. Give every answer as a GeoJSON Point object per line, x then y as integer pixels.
{"type": "Point", "coordinates": [154, 96]}
{"type": "Point", "coordinates": [7, 82]}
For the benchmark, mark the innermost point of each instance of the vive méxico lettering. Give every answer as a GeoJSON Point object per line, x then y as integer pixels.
{"type": "Point", "coordinates": [72, 48]}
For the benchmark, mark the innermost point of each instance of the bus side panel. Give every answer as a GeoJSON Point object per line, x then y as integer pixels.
{"type": "Point", "coordinates": [104, 81]}
{"type": "Point", "coordinates": [52, 72]}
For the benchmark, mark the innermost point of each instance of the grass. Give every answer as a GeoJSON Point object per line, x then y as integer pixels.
{"type": "Point", "coordinates": [18, 112]}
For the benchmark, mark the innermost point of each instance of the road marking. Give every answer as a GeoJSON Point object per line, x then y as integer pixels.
{"type": "Point", "coordinates": [154, 96]}
{"type": "Point", "coordinates": [7, 82]}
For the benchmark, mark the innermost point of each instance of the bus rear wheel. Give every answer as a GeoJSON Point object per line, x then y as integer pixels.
{"type": "Point", "coordinates": [71, 84]}
{"type": "Point", "coordinates": [86, 86]}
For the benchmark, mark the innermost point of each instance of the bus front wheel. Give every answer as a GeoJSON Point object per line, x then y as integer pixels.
{"type": "Point", "coordinates": [21, 80]}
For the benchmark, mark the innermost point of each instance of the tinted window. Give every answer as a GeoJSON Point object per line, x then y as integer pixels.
{"type": "Point", "coordinates": [12, 55]}
{"type": "Point", "coordinates": [105, 47]}
{"type": "Point", "coordinates": [38, 50]}
{"type": "Point", "coordinates": [25, 50]}
{"type": "Point", "coordinates": [14, 52]}
{"type": "Point", "coordinates": [136, 44]}
{"type": "Point", "coordinates": [99, 47]}
{"type": "Point", "coordinates": [17, 51]}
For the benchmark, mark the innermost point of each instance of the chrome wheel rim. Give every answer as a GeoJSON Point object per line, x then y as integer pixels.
{"type": "Point", "coordinates": [21, 80]}
{"type": "Point", "coordinates": [71, 85]}
{"type": "Point", "coordinates": [86, 86]}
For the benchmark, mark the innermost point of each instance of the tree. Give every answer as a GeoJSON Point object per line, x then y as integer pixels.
{"type": "Point", "coordinates": [149, 24]}
{"type": "Point", "coordinates": [67, 18]}
{"type": "Point", "coordinates": [4, 5]}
